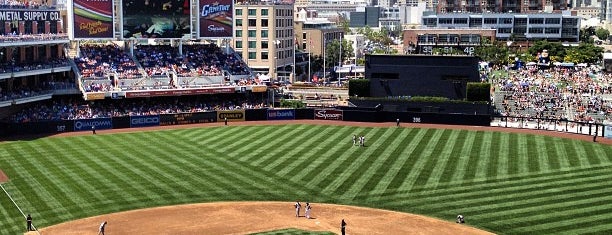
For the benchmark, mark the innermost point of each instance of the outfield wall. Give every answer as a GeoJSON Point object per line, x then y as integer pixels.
{"type": "Point", "coordinates": [52, 127]}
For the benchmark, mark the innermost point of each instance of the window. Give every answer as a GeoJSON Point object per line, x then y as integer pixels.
{"type": "Point", "coordinates": [264, 33]}
{"type": "Point", "coordinates": [504, 30]}
{"type": "Point", "coordinates": [264, 55]}
{"type": "Point", "coordinates": [252, 12]}
{"type": "Point", "coordinates": [252, 55]}
{"type": "Point", "coordinates": [445, 21]}
{"type": "Point", "coordinates": [252, 33]}
{"type": "Point", "coordinates": [252, 44]}
{"type": "Point", "coordinates": [238, 22]}
{"type": "Point", "coordinates": [264, 12]}
{"type": "Point", "coordinates": [264, 23]}
{"type": "Point", "coordinates": [490, 20]}
{"type": "Point", "coordinates": [551, 30]}
{"type": "Point", "coordinates": [506, 20]}
{"type": "Point", "coordinates": [461, 21]}
{"type": "Point", "coordinates": [238, 12]}
{"type": "Point", "coordinates": [252, 22]}
{"type": "Point", "coordinates": [536, 21]}
{"type": "Point", "coordinates": [264, 44]}
{"type": "Point", "coordinates": [536, 30]}
{"type": "Point", "coordinates": [238, 44]}
{"type": "Point", "coordinates": [238, 33]}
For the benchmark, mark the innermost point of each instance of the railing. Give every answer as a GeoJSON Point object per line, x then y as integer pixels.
{"type": "Point", "coordinates": [545, 124]}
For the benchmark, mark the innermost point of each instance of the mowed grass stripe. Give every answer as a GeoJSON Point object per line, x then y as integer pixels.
{"type": "Point", "coordinates": [368, 190]}
{"type": "Point", "coordinates": [446, 155]}
{"type": "Point", "coordinates": [403, 154]}
{"type": "Point", "coordinates": [533, 164]}
{"type": "Point", "coordinates": [347, 165]}
{"type": "Point", "coordinates": [581, 154]}
{"type": "Point", "coordinates": [408, 166]}
{"type": "Point", "coordinates": [166, 162]}
{"type": "Point", "coordinates": [463, 157]}
{"type": "Point", "coordinates": [348, 185]}
{"type": "Point", "coordinates": [504, 159]}
{"type": "Point", "coordinates": [331, 152]}
{"type": "Point", "coordinates": [523, 155]}
{"type": "Point", "coordinates": [560, 220]}
{"type": "Point", "coordinates": [252, 179]}
{"type": "Point", "coordinates": [493, 156]}
{"type": "Point", "coordinates": [440, 150]}
{"type": "Point", "coordinates": [130, 157]}
{"type": "Point", "coordinates": [241, 145]}
{"type": "Point", "coordinates": [218, 137]}
{"type": "Point", "coordinates": [562, 155]}
{"type": "Point", "coordinates": [194, 160]}
{"type": "Point", "coordinates": [452, 163]}
{"type": "Point", "coordinates": [285, 153]}
{"type": "Point", "coordinates": [122, 179]}
{"type": "Point", "coordinates": [517, 195]}
{"type": "Point", "coordinates": [493, 189]}
{"type": "Point", "coordinates": [541, 205]}
{"type": "Point", "coordinates": [376, 165]}
{"type": "Point", "coordinates": [264, 136]}
{"type": "Point", "coordinates": [427, 152]}
{"type": "Point", "coordinates": [313, 176]}
{"type": "Point", "coordinates": [484, 161]}
{"type": "Point", "coordinates": [513, 153]}
{"type": "Point", "coordinates": [53, 195]}
{"type": "Point", "coordinates": [541, 153]}
{"type": "Point", "coordinates": [308, 144]}
{"type": "Point", "coordinates": [270, 149]}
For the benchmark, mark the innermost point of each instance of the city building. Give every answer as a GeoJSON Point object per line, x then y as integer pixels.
{"type": "Point", "coordinates": [513, 27]}
{"type": "Point", "coordinates": [264, 37]}
{"type": "Point", "coordinates": [313, 34]}
{"type": "Point", "coordinates": [501, 6]}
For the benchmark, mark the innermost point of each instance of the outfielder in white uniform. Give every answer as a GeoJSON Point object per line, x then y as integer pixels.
{"type": "Point", "coordinates": [297, 208]}
{"type": "Point", "coordinates": [354, 140]}
{"type": "Point", "coordinates": [308, 208]}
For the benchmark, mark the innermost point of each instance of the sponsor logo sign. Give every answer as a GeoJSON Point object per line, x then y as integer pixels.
{"type": "Point", "coordinates": [231, 115]}
{"type": "Point", "coordinates": [259, 88]}
{"type": "Point", "coordinates": [187, 118]}
{"type": "Point", "coordinates": [216, 18]}
{"type": "Point", "coordinates": [99, 123]}
{"type": "Point", "coordinates": [328, 114]}
{"type": "Point", "coordinates": [95, 96]}
{"type": "Point", "coordinates": [608, 132]}
{"type": "Point", "coordinates": [281, 114]}
{"type": "Point", "coordinates": [27, 15]}
{"type": "Point", "coordinates": [142, 121]}
{"type": "Point", "coordinates": [137, 94]}
{"type": "Point", "coordinates": [93, 19]}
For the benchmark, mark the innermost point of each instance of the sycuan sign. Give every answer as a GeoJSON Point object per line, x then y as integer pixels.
{"type": "Point", "coordinates": [328, 114]}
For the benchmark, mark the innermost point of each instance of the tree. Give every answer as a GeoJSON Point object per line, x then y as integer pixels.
{"type": "Point", "coordinates": [332, 52]}
{"type": "Point", "coordinates": [555, 49]}
{"type": "Point", "coordinates": [497, 53]}
{"type": "Point", "coordinates": [584, 53]}
{"type": "Point", "coordinates": [602, 33]}
{"type": "Point", "coordinates": [586, 33]}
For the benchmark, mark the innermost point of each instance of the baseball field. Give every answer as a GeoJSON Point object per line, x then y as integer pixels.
{"type": "Point", "coordinates": [506, 183]}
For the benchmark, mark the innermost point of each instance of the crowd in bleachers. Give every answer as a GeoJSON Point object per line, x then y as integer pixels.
{"type": "Point", "coordinates": [161, 60]}
{"type": "Point", "coordinates": [574, 93]}
{"type": "Point", "coordinates": [97, 61]}
{"type": "Point", "coordinates": [76, 108]}
{"type": "Point", "coordinates": [16, 4]}
{"type": "Point", "coordinates": [9, 67]}
{"type": "Point", "coordinates": [14, 37]}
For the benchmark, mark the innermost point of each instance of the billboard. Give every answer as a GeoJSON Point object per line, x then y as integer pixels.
{"type": "Point", "coordinates": [203, 91]}
{"type": "Point", "coordinates": [93, 19]}
{"type": "Point", "coordinates": [99, 123]}
{"type": "Point", "coordinates": [29, 15]}
{"type": "Point", "coordinates": [281, 114]}
{"type": "Point", "coordinates": [231, 115]}
{"type": "Point", "coordinates": [143, 121]}
{"type": "Point", "coordinates": [216, 19]}
{"type": "Point", "coordinates": [156, 18]}
{"type": "Point", "coordinates": [328, 114]}
{"type": "Point", "coordinates": [187, 118]}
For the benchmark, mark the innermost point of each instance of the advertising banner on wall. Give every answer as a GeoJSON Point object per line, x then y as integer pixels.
{"type": "Point", "coordinates": [156, 19]}
{"type": "Point", "coordinates": [216, 18]}
{"type": "Point", "coordinates": [231, 115]}
{"type": "Point", "coordinates": [99, 123]}
{"type": "Point", "coordinates": [281, 114]}
{"type": "Point", "coordinates": [93, 19]}
{"type": "Point", "coordinates": [143, 121]}
{"type": "Point", "coordinates": [608, 132]}
{"type": "Point", "coordinates": [328, 114]}
{"type": "Point", "coordinates": [29, 15]}
{"type": "Point", "coordinates": [187, 118]}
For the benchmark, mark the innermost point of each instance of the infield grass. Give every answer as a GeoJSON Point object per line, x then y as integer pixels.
{"type": "Point", "coordinates": [502, 182]}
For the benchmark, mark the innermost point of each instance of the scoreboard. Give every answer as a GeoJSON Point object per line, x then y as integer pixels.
{"type": "Point", "coordinates": [445, 49]}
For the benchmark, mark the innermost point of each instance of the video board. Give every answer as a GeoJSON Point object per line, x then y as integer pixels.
{"type": "Point", "coordinates": [156, 18]}
{"type": "Point", "coordinates": [92, 19]}
{"type": "Point", "coordinates": [216, 19]}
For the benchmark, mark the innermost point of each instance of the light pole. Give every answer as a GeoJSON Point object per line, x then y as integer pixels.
{"type": "Point", "coordinates": [276, 43]}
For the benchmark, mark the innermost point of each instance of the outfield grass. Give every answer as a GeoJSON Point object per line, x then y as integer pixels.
{"type": "Point", "coordinates": [293, 232]}
{"type": "Point", "coordinates": [503, 182]}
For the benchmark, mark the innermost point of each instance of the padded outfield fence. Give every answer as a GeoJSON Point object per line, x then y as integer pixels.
{"type": "Point", "coordinates": [59, 126]}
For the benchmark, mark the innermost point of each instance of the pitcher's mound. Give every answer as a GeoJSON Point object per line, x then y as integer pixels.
{"type": "Point", "coordinates": [252, 217]}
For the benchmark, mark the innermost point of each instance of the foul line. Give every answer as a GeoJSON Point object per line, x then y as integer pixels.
{"type": "Point", "coordinates": [14, 203]}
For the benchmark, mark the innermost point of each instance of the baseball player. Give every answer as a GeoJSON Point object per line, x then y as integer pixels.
{"type": "Point", "coordinates": [102, 227]}
{"type": "Point", "coordinates": [297, 208]}
{"type": "Point", "coordinates": [354, 140]}
{"type": "Point", "coordinates": [307, 208]}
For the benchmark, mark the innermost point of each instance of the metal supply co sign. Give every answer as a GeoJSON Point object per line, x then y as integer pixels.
{"type": "Point", "coordinates": [328, 114]}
